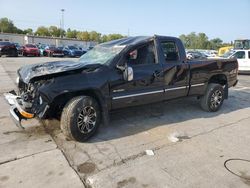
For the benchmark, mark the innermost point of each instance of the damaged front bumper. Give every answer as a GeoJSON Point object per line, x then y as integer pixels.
{"type": "Point", "coordinates": [16, 111]}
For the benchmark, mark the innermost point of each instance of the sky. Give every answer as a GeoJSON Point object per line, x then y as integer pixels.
{"type": "Point", "coordinates": [226, 19]}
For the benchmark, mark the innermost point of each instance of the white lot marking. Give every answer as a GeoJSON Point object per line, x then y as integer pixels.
{"type": "Point", "coordinates": [149, 152]}
{"type": "Point", "coordinates": [174, 137]}
{"type": "Point", "coordinates": [241, 88]}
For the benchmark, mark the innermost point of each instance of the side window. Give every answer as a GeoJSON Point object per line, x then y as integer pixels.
{"type": "Point", "coordinates": [142, 55]}
{"type": "Point", "coordinates": [248, 54]}
{"type": "Point", "coordinates": [170, 51]}
{"type": "Point", "coordinates": [239, 55]}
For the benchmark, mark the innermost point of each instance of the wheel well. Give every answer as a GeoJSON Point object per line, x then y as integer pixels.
{"type": "Point", "coordinates": [219, 79]}
{"type": "Point", "coordinates": [60, 101]}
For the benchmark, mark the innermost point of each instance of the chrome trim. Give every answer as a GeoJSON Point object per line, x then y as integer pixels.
{"type": "Point", "coordinates": [159, 91]}
{"type": "Point", "coordinates": [176, 88]}
{"type": "Point", "coordinates": [15, 117]}
{"type": "Point", "coordinates": [138, 94]}
{"type": "Point", "coordinates": [10, 98]}
{"type": "Point", "coordinates": [195, 85]}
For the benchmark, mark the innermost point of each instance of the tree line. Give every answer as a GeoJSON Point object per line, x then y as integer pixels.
{"type": "Point", "coordinates": [7, 26]}
{"type": "Point", "coordinates": [191, 41]}
{"type": "Point", "coordinates": [201, 41]}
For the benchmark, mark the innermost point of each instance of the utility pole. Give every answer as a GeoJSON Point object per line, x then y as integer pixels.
{"type": "Point", "coordinates": [62, 22]}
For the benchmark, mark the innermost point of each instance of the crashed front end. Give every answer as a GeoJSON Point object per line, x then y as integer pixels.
{"type": "Point", "coordinates": [27, 102]}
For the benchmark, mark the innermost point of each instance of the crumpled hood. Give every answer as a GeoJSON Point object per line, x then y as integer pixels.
{"type": "Point", "coordinates": [29, 72]}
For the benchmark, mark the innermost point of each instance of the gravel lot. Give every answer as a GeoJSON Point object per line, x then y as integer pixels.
{"type": "Point", "coordinates": [203, 156]}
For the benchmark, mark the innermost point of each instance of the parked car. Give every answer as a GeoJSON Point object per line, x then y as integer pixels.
{"type": "Point", "coordinates": [82, 49]}
{"type": "Point", "coordinates": [30, 50]}
{"type": "Point", "coordinates": [126, 72]}
{"type": "Point", "coordinates": [41, 48]}
{"type": "Point", "coordinates": [243, 58]}
{"type": "Point", "coordinates": [52, 51]}
{"type": "Point", "coordinates": [19, 48]}
{"type": "Point", "coordinates": [65, 52]}
{"type": "Point", "coordinates": [9, 49]}
{"type": "Point", "coordinates": [73, 51]}
{"type": "Point", "coordinates": [196, 55]}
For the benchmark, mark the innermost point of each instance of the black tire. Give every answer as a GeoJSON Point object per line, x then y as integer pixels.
{"type": "Point", "coordinates": [213, 98]}
{"type": "Point", "coordinates": [76, 117]}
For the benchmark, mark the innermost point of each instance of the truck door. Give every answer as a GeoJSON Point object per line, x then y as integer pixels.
{"type": "Point", "coordinates": [241, 57]}
{"type": "Point", "coordinates": [175, 70]}
{"type": "Point", "coordinates": [147, 83]}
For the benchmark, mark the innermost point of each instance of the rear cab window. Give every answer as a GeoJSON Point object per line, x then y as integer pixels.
{"type": "Point", "coordinates": [170, 51]}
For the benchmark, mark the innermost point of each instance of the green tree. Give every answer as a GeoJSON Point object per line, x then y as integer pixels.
{"type": "Point", "coordinates": [114, 36]}
{"type": "Point", "coordinates": [104, 38]}
{"type": "Point", "coordinates": [83, 36]}
{"type": "Point", "coordinates": [28, 31]}
{"type": "Point", "coordinates": [42, 31]}
{"type": "Point", "coordinates": [200, 41]}
{"type": "Point", "coordinates": [71, 33]}
{"type": "Point", "coordinates": [7, 26]}
{"type": "Point", "coordinates": [95, 36]}
{"type": "Point", "coordinates": [216, 43]}
{"type": "Point", "coordinates": [54, 31]}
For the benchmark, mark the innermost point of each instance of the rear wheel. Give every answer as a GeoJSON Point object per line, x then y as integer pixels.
{"type": "Point", "coordinates": [213, 98]}
{"type": "Point", "coordinates": [80, 118]}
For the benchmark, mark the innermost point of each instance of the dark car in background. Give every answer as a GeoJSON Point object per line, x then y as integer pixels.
{"type": "Point", "coordinates": [73, 51]}
{"type": "Point", "coordinates": [196, 55]}
{"type": "Point", "coordinates": [9, 49]}
{"type": "Point", "coordinates": [65, 52]}
{"type": "Point", "coordinates": [83, 50]}
{"type": "Point", "coordinates": [53, 51]}
{"type": "Point", "coordinates": [30, 49]}
{"type": "Point", "coordinates": [19, 48]}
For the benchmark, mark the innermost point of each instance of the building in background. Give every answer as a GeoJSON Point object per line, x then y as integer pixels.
{"type": "Point", "coordinates": [31, 39]}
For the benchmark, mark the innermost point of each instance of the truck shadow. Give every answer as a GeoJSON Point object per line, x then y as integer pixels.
{"type": "Point", "coordinates": [131, 121]}
{"type": "Point", "coordinates": [135, 120]}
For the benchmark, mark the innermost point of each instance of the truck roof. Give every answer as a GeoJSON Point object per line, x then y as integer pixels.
{"type": "Point", "coordinates": [133, 40]}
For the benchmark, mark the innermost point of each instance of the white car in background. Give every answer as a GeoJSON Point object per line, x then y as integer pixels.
{"type": "Point", "coordinates": [243, 58]}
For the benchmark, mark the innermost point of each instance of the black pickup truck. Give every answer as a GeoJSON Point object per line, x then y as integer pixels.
{"type": "Point", "coordinates": [117, 74]}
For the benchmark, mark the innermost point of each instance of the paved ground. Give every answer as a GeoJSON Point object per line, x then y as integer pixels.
{"type": "Point", "coordinates": [208, 144]}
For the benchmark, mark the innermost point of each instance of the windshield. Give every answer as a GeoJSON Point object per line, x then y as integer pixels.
{"type": "Point", "coordinates": [72, 48]}
{"type": "Point", "coordinates": [227, 54]}
{"type": "Point", "coordinates": [101, 55]}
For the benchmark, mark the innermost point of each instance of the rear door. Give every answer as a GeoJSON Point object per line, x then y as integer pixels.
{"type": "Point", "coordinates": [175, 70]}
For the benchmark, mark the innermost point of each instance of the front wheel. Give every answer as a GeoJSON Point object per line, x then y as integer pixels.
{"type": "Point", "coordinates": [213, 98]}
{"type": "Point", "coordinates": [80, 118]}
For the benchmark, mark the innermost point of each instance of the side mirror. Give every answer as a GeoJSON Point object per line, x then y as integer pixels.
{"type": "Point", "coordinates": [128, 73]}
